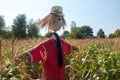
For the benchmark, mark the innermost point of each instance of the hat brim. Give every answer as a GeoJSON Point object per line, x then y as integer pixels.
{"type": "Point", "coordinates": [59, 14]}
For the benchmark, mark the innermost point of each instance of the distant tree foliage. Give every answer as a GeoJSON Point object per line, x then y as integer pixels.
{"type": "Point", "coordinates": [2, 25]}
{"type": "Point", "coordinates": [111, 35]}
{"type": "Point", "coordinates": [33, 30]}
{"type": "Point", "coordinates": [117, 33]}
{"type": "Point", "coordinates": [65, 34]}
{"type": "Point", "coordinates": [76, 32]}
{"type": "Point", "coordinates": [101, 34]}
{"type": "Point", "coordinates": [6, 34]}
{"type": "Point", "coordinates": [20, 26]}
{"type": "Point", "coordinates": [81, 32]}
{"type": "Point", "coordinates": [73, 24]}
{"type": "Point", "coordinates": [48, 35]}
{"type": "Point", "coordinates": [87, 31]}
{"type": "Point", "coordinates": [24, 29]}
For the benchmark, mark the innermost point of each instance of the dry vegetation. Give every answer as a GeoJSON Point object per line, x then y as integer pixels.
{"type": "Point", "coordinates": [96, 59]}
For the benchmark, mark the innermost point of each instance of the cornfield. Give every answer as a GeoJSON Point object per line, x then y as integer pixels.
{"type": "Point", "coordinates": [97, 59]}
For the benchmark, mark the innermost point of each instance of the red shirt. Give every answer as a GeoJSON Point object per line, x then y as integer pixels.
{"type": "Point", "coordinates": [47, 53]}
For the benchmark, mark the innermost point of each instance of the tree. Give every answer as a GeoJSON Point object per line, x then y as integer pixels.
{"type": "Point", "coordinates": [33, 30]}
{"type": "Point", "coordinates": [73, 32]}
{"type": "Point", "coordinates": [73, 29]}
{"type": "Point", "coordinates": [81, 32]}
{"type": "Point", "coordinates": [117, 33]}
{"type": "Point", "coordinates": [48, 35]}
{"type": "Point", "coordinates": [87, 31]}
{"type": "Point", "coordinates": [73, 24]}
{"type": "Point", "coordinates": [76, 32]}
{"type": "Point", "coordinates": [65, 34]}
{"type": "Point", "coordinates": [111, 35]}
{"type": "Point", "coordinates": [20, 26]}
{"type": "Point", "coordinates": [2, 25]}
{"type": "Point", "coordinates": [6, 34]}
{"type": "Point", "coordinates": [100, 34]}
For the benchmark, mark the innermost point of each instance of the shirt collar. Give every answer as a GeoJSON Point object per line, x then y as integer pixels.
{"type": "Point", "coordinates": [54, 37]}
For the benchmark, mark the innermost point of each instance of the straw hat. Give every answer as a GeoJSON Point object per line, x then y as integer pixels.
{"type": "Point", "coordinates": [58, 10]}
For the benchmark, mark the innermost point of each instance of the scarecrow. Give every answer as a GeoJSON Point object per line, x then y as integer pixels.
{"type": "Point", "coordinates": [51, 52]}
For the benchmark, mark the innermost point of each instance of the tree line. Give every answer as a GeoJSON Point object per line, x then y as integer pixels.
{"type": "Point", "coordinates": [23, 29]}
{"type": "Point", "coordinates": [20, 28]}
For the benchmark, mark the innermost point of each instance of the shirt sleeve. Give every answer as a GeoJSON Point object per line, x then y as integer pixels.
{"type": "Point", "coordinates": [67, 47]}
{"type": "Point", "coordinates": [35, 53]}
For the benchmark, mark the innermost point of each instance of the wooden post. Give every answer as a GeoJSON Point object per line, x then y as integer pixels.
{"type": "Point", "coordinates": [13, 39]}
{"type": "Point", "coordinates": [0, 56]}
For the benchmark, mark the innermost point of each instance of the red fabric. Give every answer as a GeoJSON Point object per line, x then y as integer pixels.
{"type": "Point", "coordinates": [47, 53]}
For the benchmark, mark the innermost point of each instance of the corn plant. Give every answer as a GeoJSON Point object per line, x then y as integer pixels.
{"type": "Point", "coordinates": [97, 59]}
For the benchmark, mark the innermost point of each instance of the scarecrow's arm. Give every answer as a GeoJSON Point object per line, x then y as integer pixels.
{"type": "Point", "coordinates": [74, 48]}
{"type": "Point", "coordinates": [21, 57]}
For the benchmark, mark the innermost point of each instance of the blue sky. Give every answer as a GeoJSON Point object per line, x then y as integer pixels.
{"type": "Point", "coordinates": [97, 14]}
